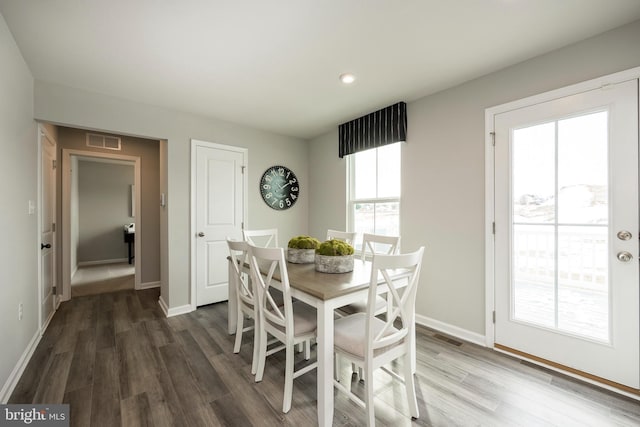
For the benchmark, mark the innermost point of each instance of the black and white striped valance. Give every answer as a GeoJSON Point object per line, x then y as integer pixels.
{"type": "Point", "coordinates": [379, 128]}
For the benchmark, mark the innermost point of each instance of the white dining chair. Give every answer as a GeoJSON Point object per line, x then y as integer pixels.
{"type": "Point", "coordinates": [246, 301]}
{"type": "Point", "coordinates": [346, 236]}
{"type": "Point", "coordinates": [266, 238]}
{"type": "Point", "coordinates": [291, 324]}
{"type": "Point", "coordinates": [373, 244]}
{"type": "Point", "coordinates": [383, 341]}
{"type": "Point", "coordinates": [379, 244]}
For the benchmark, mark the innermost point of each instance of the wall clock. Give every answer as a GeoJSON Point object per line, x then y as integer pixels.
{"type": "Point", "coordinates": [279, 187]}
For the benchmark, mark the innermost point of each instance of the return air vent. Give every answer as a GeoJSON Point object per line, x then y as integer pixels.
{"type": "Point", "coordinates": [103, 141]}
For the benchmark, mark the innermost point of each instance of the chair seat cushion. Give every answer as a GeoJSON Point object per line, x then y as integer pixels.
{"type": "Point", "coordinates": [350, 334]}
{"type": "Point", "coordinates": [304, 319]}
{"type": "Point", "coordinates": [361, 306]}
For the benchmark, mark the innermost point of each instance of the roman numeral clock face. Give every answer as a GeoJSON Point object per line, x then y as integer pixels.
{"type": "Point", "coordinates": [279, 187]}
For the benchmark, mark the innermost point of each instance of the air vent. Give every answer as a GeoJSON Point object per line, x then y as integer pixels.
{"type": "Point", "coordinates": [103, 141]}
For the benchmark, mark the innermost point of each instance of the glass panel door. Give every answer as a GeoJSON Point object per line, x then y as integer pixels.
{"type": "Point", "coordinates": [566, 241]}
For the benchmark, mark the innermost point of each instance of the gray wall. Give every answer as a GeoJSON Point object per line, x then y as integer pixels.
{"type": "Point", "coordinates": [443, 170]}
{"type": "Point", "coordinates": [77, 108]}
{"type": "Point", "coordinates": [149, 153]}
{"type": "Point", "coordinates": [19, 250]}
{"type": "Point", "coordinates": [104, 196]}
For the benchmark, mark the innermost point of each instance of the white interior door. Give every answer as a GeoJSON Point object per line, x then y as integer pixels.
{"type": "Point", "coordinates": [219, 213]}
{"type": "Point", "coordinates": [47, 227]}
{"type": "Point", "coordinates": [566, 211]}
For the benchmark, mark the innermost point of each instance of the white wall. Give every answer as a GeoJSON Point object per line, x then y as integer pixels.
{"type": "Point", "coordinates": [77, 108]}
{"type": "Point", "coordinates": [19, 249]}
{"type": "Point", "coordinates": [443, 171]}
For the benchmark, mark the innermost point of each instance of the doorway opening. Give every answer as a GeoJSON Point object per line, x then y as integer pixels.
{"type": "Point", "coordinates": [102, 222]}
{"type": "Point", "coordinates": [102, 214]}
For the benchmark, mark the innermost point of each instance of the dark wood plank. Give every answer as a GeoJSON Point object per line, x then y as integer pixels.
{"type": "Point", "coordinates": [81, 370]}
{"type": "Point", "coordinates": [105, 399]}
{"type": "Point", "coordinates": [79, 402]}
{"type": "Point", "coordinates": [54, 378]}
{"type": "Point", "coordinates": [136, 411]}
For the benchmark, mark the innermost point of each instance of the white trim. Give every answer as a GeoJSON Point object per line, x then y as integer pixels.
{"type": "Point", "coordinates": [490, 113]}
{"type": "Point", "coordinates": [175, 311]}
{"type": "Point", "coordinates": [489, 241]}
{"type": "Point", "coordinates": [103, 261]}
{"type": "Point", "coordinates": [454, 331]}
{"type": "Point", "coordinates": [66, 220]}
{"type": "Point", "coordinates": [18, 370]}
{"type": "Point", "coordinates": [149, 285]}
{"type": "Point", "coordinates": [245, 153]}
{"type": "Point", "coordinates": [43, 133]}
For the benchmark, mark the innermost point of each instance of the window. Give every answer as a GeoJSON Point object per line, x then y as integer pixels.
{"type": "Point", "coordinates": [374, 192]}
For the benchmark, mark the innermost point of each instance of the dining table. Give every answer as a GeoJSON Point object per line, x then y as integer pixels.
{"type": "Point", "coordinates": [326, 292]}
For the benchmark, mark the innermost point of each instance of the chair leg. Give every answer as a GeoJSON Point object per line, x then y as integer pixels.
{"type": "Point", "coordinates": [410, 386]}
{"type": "Point", "coordinates": [300, 347]}
{"type": "Point", "coordinates": [256, 346]}
{"type": "Point", "coordinates": [336, 367]}
{"type": "Point", "coordinates": [371, 418]}
{"type": "Point", "coordinates": [288, 380]}
{"type": "Point", "coordinates": [239, 328]}
{"type": "Point", "coordinates": [262, 355]}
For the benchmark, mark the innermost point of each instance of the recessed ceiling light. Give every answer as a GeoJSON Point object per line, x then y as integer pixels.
{"type": "Point", "coordinates": [347, 78]}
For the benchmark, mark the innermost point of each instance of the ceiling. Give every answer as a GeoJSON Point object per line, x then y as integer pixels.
{"type": "Point", "coordinates": [274, 65]}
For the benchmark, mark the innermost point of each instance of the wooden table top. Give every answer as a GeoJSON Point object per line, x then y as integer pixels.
{"type": "Point", "coordinates": [324, 286]}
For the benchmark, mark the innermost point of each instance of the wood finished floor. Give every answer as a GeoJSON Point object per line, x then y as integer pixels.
{"type": "Point", "coordinates": [117, 360]}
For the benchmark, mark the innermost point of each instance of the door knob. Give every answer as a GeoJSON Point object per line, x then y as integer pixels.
{"type": "Point", "coordinates": [201, 234]}
{"type": "Point", "coordinates": [624, 235]}
{"type": "Point", "coordinates": [624, 256]}
{"type": "Point", "coordinates": [43, 246]}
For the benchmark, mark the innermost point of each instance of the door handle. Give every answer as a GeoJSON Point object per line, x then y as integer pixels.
{"type": "Point", "coordinates": [624, 235]}
{"type": "Point", "coordinates": [43, 246]}
{"type": "Point", "coordinates": [201, 234]}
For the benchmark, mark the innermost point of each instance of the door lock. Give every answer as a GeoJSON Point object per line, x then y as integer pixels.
{"type": "Point", "coordinates": [201, 234]}
{"type": "Point", "coordinates": [624, 256]}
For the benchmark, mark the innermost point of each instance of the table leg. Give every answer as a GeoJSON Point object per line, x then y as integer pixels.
{"type": "Point", "coordinates": [325, 365]}
{"type": "Point", "coordinates": [232, 315]}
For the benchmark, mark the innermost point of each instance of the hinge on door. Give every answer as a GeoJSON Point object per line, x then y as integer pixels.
{"type": "Point", "coordinates": [494, 316]}
{"type": "Point", "coordinates": [54, 163]}
{"type": "Point", "coordinates": [493, 138]}
{"type": "Point", "coordinates": [54, 290]}
{"type": "Point", "coordinates": [242, 225]}
{"type": "Point", "coordinates": [242, 169]}
{"type": "Point", "coordinates": [494, 228]}
{"type": "Point", "coordinates": [53, 226]}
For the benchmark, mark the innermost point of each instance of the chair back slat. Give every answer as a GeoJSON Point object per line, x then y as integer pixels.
{"type": "Point", "coordinates": [401, 298]}
{"type": "Point", "coordinates": [378, 244]}
{"type": "Point", "coordinates": [266, 238]}
{"type": "Point", "coordinates": [271, 260]}
{"type": "Point", "coordinates": [239, 252]}
{"type": "Point", "coordinates": [346, 236]}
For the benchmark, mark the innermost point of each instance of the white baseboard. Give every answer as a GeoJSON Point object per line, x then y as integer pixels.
{"type": "Point", "coordinates": [103, 261]}
{"type": "Point", "coordinates": [174, 311]}
{"type": "Point", "coordinates": [149, 285]}
{"type": "Point", "coordinates": [452, 330]}
{"type": "Point", "coordinates": [12, 381]}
